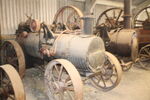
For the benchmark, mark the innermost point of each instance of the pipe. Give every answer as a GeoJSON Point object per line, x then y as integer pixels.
{"type": "Point", "coordinates": [87, 28]}
{"type": "Point", "coordinates": [127, 13]}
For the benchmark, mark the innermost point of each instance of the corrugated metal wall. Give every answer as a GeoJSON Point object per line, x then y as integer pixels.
{"type": "Point", "coordinates": [12, 12]}
{"type": "Point", "coordinates": [78, 4]}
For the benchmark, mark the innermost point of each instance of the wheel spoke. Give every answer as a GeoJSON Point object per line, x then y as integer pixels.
{"type": "Point", "coordinates": [108, 19]}
{"type": "Point", "coordinates": [64, 80]}
{"type": "Point", "coordinates": [72, 98]}
{"type": "Point", "coordinates": [69, 83]}
{"type": "Point", "coordinates": [111, 81]}
{"type": "Point", "coordinates": [118, 16]}
{"type": "Point", "coordinates": [99, 80]}
{"type": "Point", "coordinates": [56, 69]}
{"type": "Point", "coordinates": [69, 88]}
{"type": "Point", "coordinates": [139, 21]}
{"type": "Point", "coordinates": [60, 73]}
{"type": "Point", "coordinates": [148, 16]}
{"type": "Point", "coordinates": [114, 14]}
{"type": "Point", "coordinates": [11, 97]}
{"type": "Point", "coordinates": [103, 81]}
{"type": "Point", "coordinates": [147, 51]}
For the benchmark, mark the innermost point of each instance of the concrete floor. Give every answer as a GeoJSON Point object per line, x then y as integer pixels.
{"type": "Point", "coordinates": [135, 85]}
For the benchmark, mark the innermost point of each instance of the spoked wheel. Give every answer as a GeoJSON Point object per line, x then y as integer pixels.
{"type": "Point", "coordinates": [142, 16]}
{"type": "Point", "coordinates": [63, 81]}
{"type": "Point", "coordinates": [68, 17]}
{"type": "Point", "coordinates": [11, 53]}
{"type": "Point", "coordinates": [111, 18]}
{"type": "Point", "coordinates": [110, 74]}
{"type": "Point", "coordinates": [144, 57]}
{"type": "Point", "coordinates": [11, 87]}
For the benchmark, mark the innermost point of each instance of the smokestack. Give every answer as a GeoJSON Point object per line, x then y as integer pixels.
{"type": "Point", "coordinates": [88, 22]}
{"type": "Point", "coordinates": [127, 13]}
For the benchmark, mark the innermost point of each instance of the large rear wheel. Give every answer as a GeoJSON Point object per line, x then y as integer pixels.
{"type": "Point", "coordinates": [12, 53]}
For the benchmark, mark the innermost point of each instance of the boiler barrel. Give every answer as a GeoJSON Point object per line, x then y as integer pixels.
{"type": "Point", "coordinates": [123, 42]}
{"type": "Point", "coordinates": [30, 44]}
{"type": "Point", "coordinates": [86, 52]}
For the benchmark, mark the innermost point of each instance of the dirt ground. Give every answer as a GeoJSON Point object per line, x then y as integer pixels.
{"type": "Point", "coordinates": [135, 85]}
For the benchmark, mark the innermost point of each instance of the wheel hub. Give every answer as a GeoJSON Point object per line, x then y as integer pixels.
{"type": "Point", "coordinates": [60, 86]}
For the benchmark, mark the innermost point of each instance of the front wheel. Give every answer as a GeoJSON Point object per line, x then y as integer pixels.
{"type": "Point", "coordinates": [110, 73]}
{"type": "Point", "coordinates": [63, 81]}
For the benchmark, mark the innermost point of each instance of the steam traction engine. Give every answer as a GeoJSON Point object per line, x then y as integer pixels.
{"type": "Point", "coordinates": [142, 25]}
{"type": "Point", "coordinates": [66, 52]}
{"type": "Point", "coordinates": [114, 27]}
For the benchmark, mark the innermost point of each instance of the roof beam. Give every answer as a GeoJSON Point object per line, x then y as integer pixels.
{"type": "Point", "coordinates": [110, 3]}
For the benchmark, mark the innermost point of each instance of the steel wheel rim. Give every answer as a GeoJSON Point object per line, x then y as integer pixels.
{"type": "Point", "coordinates": [116, 74]}
{"type": "Point", "coordinates": [137, 21]}
{"type": "Point", "coordinates": [13, 88]}
{"type": "Point", "coordinates": [18, 59]}
{"type": "Point", "coordinates": [114, 16]}
{"type": "Point", "coordinates": [58, 89]}
{"type": "Point", "coordinates": [144, 55]}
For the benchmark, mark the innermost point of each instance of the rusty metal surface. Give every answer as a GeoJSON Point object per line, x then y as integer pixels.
{"type": "Point", "coordinates": [112, 18]}
{"type": "Point", "coordinates": [134, 48]}
{"type": "Point", "coordinates": [66, 46]}
{"type": "Point", "coordinates": [12, 53]}
{"type": "Point", "coordinates": [143, 36]}
{"type": "Point", "coordinates": [61, 77]}
{"type": "Point", "coordinates": [30, 44]}
{"type": "Point", "coordinates": [35, 25]}
{"type": "Point", "coordinates": [121, 41]}
{"type": "Point", "coordinates": [87, 28]}
{"type": "Point", "coordinates": [85, 52]}
{"type": "Point", "coordinates": [141, 24]}
{"type": "Point", "coordinates": [67, 17]}
{"type": "Point", "coordinates": [118, 40]}
{"type": "Point", "coordinates": [111, 74]}
{"type": "Point", "coordinates": [13, 88]}
{"type": "Point", "coordinates": [144, 56]}
{"type": "Point", "coordinates": [127, 13]}
{"type": "Point", "coordinates": [142, 18]}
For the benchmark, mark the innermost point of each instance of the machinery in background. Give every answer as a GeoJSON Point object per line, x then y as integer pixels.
{"type": "Point", "coordinates": [68, 17]}
{"type": "Point", "coordinates": [114, 26]}
{"type": "Point", "coordinates": [142, 25]}
{"type": "Point", "coordinates": [65, 55]}
{"type": "Point", "coordinates": [11, 87]}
